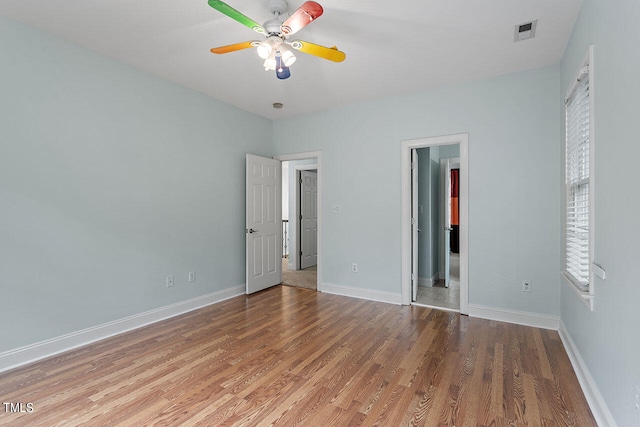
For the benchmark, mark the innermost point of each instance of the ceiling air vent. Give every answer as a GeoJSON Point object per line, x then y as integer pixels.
{"type": "Point", "coordinates": [525, 31]}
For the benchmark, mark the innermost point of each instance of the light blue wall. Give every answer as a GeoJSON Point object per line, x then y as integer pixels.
{"type": "Point", "coordinates": [514, 126]}
{"type": "Point", "coordinates": [434, 199]}
{"type": "Point", "coordinates": [110, 180]}
{"type": "Point", "coordinates": [608, 338]}
{"type": "Point", "coordinates": [426, 244]}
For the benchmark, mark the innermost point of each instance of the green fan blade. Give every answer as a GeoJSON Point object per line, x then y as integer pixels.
{"type": "Point", "coordinates": [234, 14]}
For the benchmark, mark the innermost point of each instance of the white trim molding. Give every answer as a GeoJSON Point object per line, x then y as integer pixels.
{"type": "Point", "coordinates": [40, 350]}
{"type": "Point", "coordinates": [368, 294]}
{"type": "Point", "coordinates": [435, 307]}
{"type": "Point", "coordinates": [513, 316]}
{"type": "Point", "coordinates": [597, 404]}
{"type": "Point", "coordinates": [585, 297]}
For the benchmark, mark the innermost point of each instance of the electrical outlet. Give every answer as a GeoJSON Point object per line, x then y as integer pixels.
{"type": "Point", "coordinates": [526, 286]}
{"type": "Point", "coordinates": [354, 267]}
{"type": "Point", "coordinates": [169, 281]}
{"type": "Point", "coordinates": [192, 276]}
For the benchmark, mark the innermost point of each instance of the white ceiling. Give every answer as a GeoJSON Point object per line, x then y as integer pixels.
{"type": "Point", "coordinates": [392, 47]}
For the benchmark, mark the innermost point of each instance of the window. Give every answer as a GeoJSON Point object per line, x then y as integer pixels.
{"type": "Point", "coordinates": [579, 181]}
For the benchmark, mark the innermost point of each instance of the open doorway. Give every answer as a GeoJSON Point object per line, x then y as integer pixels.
{"type": "Point", "coordinates": [436, 247]}
{"type": "Point", "coordinates": [300, 213]}
{"type": "Point", "coordinates": [427, 224]}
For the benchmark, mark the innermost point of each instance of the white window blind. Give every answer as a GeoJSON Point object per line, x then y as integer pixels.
{"type": "Point", "coordinates": [577, 174]}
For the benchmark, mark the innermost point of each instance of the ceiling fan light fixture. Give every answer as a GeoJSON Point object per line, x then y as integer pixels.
{"type": "Point", "coordinates": [264, 49]}
{"type": "Point", "coordinates": [288, 58]}
{"type": "Point", "coordinates": [270, 63]}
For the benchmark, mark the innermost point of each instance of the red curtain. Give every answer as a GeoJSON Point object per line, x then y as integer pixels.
{"type": "Point", "coordinates": [454, 241]}
{"type": "Point", "coordinates": [455, 216]}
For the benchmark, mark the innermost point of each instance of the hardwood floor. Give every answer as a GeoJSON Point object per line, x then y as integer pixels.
{"type": "Point", "coordinates": [291, 356]}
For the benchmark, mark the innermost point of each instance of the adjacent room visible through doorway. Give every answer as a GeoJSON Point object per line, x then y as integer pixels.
{"type": "Point", "coordinates": [300, 223]}
{"type": "Point", "coordinates": [440, 296]}
{"type": "Point", "coordinates": [436, 250]}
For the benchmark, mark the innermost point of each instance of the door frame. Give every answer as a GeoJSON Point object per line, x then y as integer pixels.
{"type": "Point", "coordinates": [318, 166]}
{"type": "Point", "coordinates": [406, 146]}
{"type": "Point", "coordinates": [415, 247]}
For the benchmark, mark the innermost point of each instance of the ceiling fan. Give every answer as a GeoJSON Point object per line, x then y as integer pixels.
{"type": "Point", "coordinates": [275, 49]}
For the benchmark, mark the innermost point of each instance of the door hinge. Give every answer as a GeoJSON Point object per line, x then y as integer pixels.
{"type": "Point", "coordinates": [413, 165]}
{"type": "Point", "coordinates": [413, 221]}
{"type": "Point", "coordinates": [300, 216]}
{"type": "Point", "coordinates": [413, 276]}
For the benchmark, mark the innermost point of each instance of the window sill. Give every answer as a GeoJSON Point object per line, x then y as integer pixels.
{"type": "Point", "coordinates": [585, 296]}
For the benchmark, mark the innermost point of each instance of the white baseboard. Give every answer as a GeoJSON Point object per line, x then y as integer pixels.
{"type": "Point", "coordinates": [368, 294]}
{"type": "Point", "coordinates": [599, 408]}
{"type": "Point", "coordinates": [428, 281]}
{"type": "Point", "coordinates": [33, 352]}
{"type": "Point", "coordinates": [512, 316]}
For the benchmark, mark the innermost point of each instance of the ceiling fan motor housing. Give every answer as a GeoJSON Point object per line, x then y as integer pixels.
{"type": "Point", "coordinates": [277, 7]}
{"type": "Point", "coordinates": [272, 26]}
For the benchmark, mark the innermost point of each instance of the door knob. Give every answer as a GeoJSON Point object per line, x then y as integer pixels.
{"type": "Point", "coordinates": [251, 231]}
{"type": "Point", "coordinates": [447, 228]}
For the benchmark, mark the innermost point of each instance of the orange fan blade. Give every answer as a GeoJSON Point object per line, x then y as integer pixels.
{"type": "Point", "coordinates": [234, 47]}
{"type": "Point", "coordinates": [302, 17]}
{"type": "Point", "coordinates": [330, 53]}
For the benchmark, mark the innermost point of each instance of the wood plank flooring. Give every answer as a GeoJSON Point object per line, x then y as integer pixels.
{"type": "Point", "coordinates": [289, 356]}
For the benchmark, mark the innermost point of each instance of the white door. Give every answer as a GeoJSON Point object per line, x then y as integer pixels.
{"type": "Point", "coordinates": [414, 224]}
{"type": "Point", "coordinates": [264, 223]}
{"type": "Point", "coordinates": [308, 218]}
{"type": "Point", "coordinates": [445, 200]}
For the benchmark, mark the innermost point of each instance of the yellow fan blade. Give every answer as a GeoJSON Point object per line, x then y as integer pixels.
{"type": "Point", "coordinates": [234, 47]}
{"type": "Point", "coordinates": [330, 53]}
